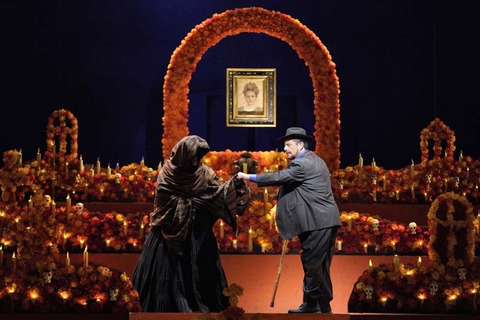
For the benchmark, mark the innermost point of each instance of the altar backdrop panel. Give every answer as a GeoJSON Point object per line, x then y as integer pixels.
{"type": "Point", "coordinates": [400, 64]}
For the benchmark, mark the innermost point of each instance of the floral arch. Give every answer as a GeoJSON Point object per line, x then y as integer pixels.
{"type": "Point", "coordinates": [308, 46]}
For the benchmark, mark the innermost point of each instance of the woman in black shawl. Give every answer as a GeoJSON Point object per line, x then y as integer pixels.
{"type": "Point", "coordinates": [179, 269]}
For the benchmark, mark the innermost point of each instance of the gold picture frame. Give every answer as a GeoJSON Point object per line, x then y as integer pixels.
{"type": "Point", "coordinates": [251, 97]}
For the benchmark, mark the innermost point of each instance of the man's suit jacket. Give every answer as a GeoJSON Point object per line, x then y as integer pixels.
{"type": "Point", "coordinates": [305, 200]}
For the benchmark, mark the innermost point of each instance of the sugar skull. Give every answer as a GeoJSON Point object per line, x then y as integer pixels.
{"type": "Point", "coordinates": [462, 273]}
{"type": "Point", "coordinates": [48, 201]}
{"type": "Point", "coordinates": [47, 275]}
{"type": "Point", "coordinates": [80, 207]}
{"type": "Point", "coordinates": [113, 294]}
{"type": "Point", "coordinates": [434, 287]}
{"type": "Point", "coordinates": [118, 176]}
{"type": "Point", "coordinates": [375, 224]}
{"type": "Point", "coordinates": [368, 292]}
{"type": "Point", "coordinates": [413, 227]}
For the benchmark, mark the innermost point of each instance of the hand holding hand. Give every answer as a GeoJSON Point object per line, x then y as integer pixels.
{"type": "Point", "coordinates": [243, 176]}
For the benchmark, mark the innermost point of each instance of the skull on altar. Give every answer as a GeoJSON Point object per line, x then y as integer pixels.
{"type": "Point", "coordinates": [246, 162]}
{"type": "Point", "coordinates": [47, 275]}
{"type": "Point", "coordinates": [149, 173]}
{"type": "Point", "coordinates": [462, 273]}
{"type": "Point", "coordinates": [413, 227]}
{"type": "Point", "coordinates": [340, 184]}
{"type": "Point", "coordinates": [48, 201]}
{"type": "Point", "coordinates": [456, 180]}
{"type": "Point", "coordinates": [434, 287]}
{"type": "Point", "coordinates": [374, 179]}
{"type": "Point", "coordinates": [368, 292]}
{"type": "Point", "coordinates": [113, 294]}
{"type": "Point", "coordinates": [80, 207]}
{"type": "Point", "coordinates": [375, 224]}
{"type": "Point", "coordinates": [118, 176]}
{"type": "Point", "coordinates": [429, 177]}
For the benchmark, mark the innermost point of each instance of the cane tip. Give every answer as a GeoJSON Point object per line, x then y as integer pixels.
{"type": "Point", "coordinates": [271, 304]}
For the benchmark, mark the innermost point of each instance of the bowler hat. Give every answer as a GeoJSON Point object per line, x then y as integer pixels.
{"type": "Point", "coordinates": [295, 133]}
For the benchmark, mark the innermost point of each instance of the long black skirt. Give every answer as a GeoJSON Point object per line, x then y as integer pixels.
{"type": "Point", "coordinates": [192, 282]}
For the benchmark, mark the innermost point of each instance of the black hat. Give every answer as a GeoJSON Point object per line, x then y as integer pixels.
{"type": "Point", "coordinates": [295, 133]}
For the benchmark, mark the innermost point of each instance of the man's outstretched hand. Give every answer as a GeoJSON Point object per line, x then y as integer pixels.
{"type": "Point", "coordinates": [243, 176]}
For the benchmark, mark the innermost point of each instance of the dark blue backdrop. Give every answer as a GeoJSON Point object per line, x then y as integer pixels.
{"type": "Point", "coordinates": [400, 65]}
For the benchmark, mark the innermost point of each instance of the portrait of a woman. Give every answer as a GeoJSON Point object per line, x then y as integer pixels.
{"type": "Point", "coordinates": [251, 106]}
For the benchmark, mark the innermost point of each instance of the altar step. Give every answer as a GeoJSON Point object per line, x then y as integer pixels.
{"type": "Point", "coordinates": [266, 316]}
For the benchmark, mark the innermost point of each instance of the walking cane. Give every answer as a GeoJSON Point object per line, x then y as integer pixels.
{"type": "Point", "coordinates": [284, 249]}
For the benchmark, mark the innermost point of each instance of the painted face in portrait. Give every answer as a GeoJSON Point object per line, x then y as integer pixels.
{"type": "Point", "coordinates": [250, 97]}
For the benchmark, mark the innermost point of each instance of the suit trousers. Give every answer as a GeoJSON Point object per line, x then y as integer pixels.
{"type": "Point", "coordinates": [318, 247]}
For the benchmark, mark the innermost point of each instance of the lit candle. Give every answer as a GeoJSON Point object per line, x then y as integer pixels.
{"type": "Point", "coordinates": [474, 292]}
{"type": "Point", "coordinates": [99, 168]}
{"type": "Point", "coordinates": [81, 243]}
{"type": "Point", "coordinates": [107, 243]}
{"type": "Point", "coordinates": [109, 172]}
{"type": "Point", "coordinates": [412, 169]}
{"type": "Point", "coordinates": [422, 298]}
{"type": "Point", "coordinates": [142, 230]}
{"type": "Point", "coordinates": [425, 194]}
{"type": "Point", "coordinates": [370, 266]}
{"type": "Point", "coordinates": [82, 167]}
{"type": "Point", "coordinates": [468, 173]}
{"type": "Point", "coordinates": [365, 247]}
{"type": "Point", "coordinates": [384, 301]}
{"type": "Point", "coordinates": [420, 245]}
{"type": "Point", "coordinates": [54, 153]}
{"type": "Point", "coordinates": [64, 241]}
{"type": "Point", "coordinates": [85, 257]}
{"type": "Point", "coordinates": [245, 167]}
{"type": "Point", "coordinates": [222, 231]}
{"type": "Point", "coordinates": [142, 163]}
{"type": "Point", "coordinates": [478, 224]}
{"type": "Point", "coordinates": [373, 164]}
{"type": "Point", "coordinates": [397, 195]}
{"type": "Point", "coordinates": [20, 158]}
{"type": "Point", "coordinates": [39, 156]}
{"type": "Point", "coordinates": [66, 169]}
{"type": "Point", "coordinates": [396, 262]}
{"type": "Point", "coordinates": [250, 240]}
{"type": "Point", "coordinates": [14, 261]}
{"type": "Point", "coordinates": [117, 167]}
{"type": "Point", "coordinates": [54, 208]}
{"type": "Point", "coordinates": [349, 226]}
{"type": "Point", "coordinates": [234, 244]}
{"type": "Point", "coordinates": [419, 263]}
{"type": "Point", "coordinates": [1, 256]}
{"type": "Point", "coordinates": [393, 245]}
{"type": "Point", "coordinates": [69, 205]}
{"type": "Point", "coordinates": [67, 260]}
{"type": "Point", "coordinates": [270, 221]}
{"type": "Point", "coordinates": [460, 159]}
{"type": "Point", "coordinates": [374, 195]}
{"type": "Point", "coordinates": [360, 161]}
{"type": "Point", "coordinates": [159, 166]}
{"type": "Point", "coordinates": [92, 174]}
{"type": "Point", "coordinates": [445, 183]}
{"type": "Point", "coordinates": [264, 247]}
{"type": "Point", "coordinates": [125, 227]}
{"type": "Point", "coordinates": [265, 201]}
{"type": "Point", "coordinates": [339, 245]}
{"type": "Point", "coordinates": [30, 203]}
{"type": "Point", "coordinates": [412, 190]}
{"type": "Point", "coordinates": [385, 181]}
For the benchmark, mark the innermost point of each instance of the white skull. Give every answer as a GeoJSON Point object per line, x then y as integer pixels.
{"type": "Point", "coordinates": [368, 292]}
{"type": "Point", "coordinates": [149, 173]}
{"type": "Point", "coordinates": [374, 179]}
{"type": "Point", "coordinates": [375, 224]}
{"type": "Point", "coordinates": [80, 207]}
{"type": "Point", "coordinates": [47, 275]}
{"type": "Point", "coordinates": [49, 201]}
{"type": "Point", "coordinates": [429, 177]}
{"type": "Point", "coordinates": [413, 227]}
{"type": "Point", "coordinates": [434, 288]}
{"type": "Point", "coordinates": [77, 179]}
{"type": "Point", "coordinates": [462, 273]}
{"type": "Point", "coordinates": [113, 294]}
{"type": "Point", "coordinates": [117, 177]}
{"type": "Point", "coordinates": [456, 180]}
{"type": "Point", "coordinates": [341, 184]}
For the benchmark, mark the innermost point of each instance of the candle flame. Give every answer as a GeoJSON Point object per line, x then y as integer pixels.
{"type": "Point", "coordinates": [370, 262]}
{"type": "Point", "coordinates": [383, 299]}
{"type": "Point", "coordinates": [452, 297]}
{"type": "Point", "coordinates": [86, 249]}
{"type": "Point", "coordinates": [63, 295]}
{"type": "Point", "coordinates": [34, 295]}
{"type": "Point", "coordinates": [422, 296]}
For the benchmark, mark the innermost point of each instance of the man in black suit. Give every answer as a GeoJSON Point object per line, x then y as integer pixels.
{"type": "Point", "coordinates": [306, 207]}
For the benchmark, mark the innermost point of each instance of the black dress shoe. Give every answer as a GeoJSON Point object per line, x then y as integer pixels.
{"type": "Point", "coordinates": [326, 309]}
{"type": "Point", "coordinates": [305, 308]}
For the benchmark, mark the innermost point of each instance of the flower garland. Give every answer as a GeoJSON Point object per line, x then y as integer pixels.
{"type": "Point", "coordinates": [62, 131]}
{"type": "Point", "coordinates": [451, 223]}
{"type": "Point", "coordinates": [437, 131]}
{"type": "Point", "coordinates": [12, 177]}
{"type": "Point", "coordinates": [71, 288]}
{"type": "Point", "coordinates": [231, 22]}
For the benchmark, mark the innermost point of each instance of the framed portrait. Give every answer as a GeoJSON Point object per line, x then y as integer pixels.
{"type": "Point", "coordinates": [251, 97]}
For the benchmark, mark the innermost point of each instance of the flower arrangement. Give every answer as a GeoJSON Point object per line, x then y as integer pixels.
{"type": "Point", "coordinates": [231, 22]}
{"type": "Point", "coordinates": [61, 130]}
{"type": "Point", "coordinates": [51, 287]}
{"type": "Point", "coordinates": [437, 131]}
{"type": "Point", "coordinates": [449, 284]}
